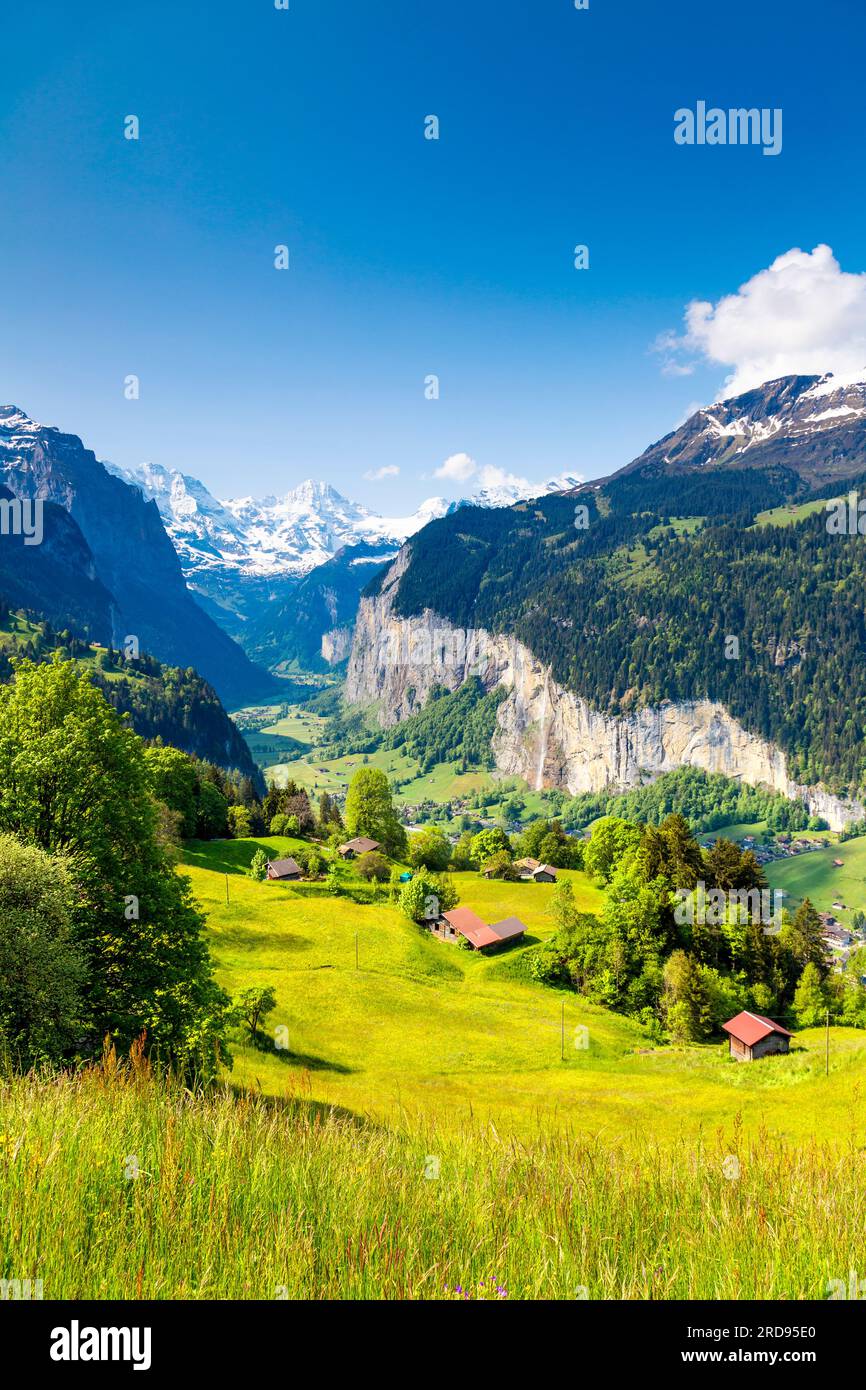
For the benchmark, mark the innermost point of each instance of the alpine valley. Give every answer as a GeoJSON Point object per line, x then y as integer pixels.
{"type": "Point", "coordinates": [693, 609]}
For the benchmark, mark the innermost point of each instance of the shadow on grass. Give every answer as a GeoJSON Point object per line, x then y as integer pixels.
{"type": "Point", "coordinates": [261, 1042]}
{"type": "Point", "coordinates": [297, 1107]}
{"type": "Point", "coordinates": [248, 940]}
{"type": "Point", "coordinates": [235, 856]}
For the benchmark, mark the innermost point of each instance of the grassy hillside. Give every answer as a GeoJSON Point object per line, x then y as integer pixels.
{"type": "Point", "coordinates": [167, 702]}
{"type": "Point", "coordinates": [423, 1029]}
{"type": "Point", "coordinates": [814, 876]}
{"type": "Point", "coordinates": [421, 1138]}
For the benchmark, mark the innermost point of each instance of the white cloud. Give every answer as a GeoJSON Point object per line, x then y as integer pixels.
{"type": "Point", "coordinates": [457, 468]}
{"type": "Point", "coordinates": [377, 475]}
{"type": "Point", "coordinates": [802, 315]}
{"type": "Point", "coordinates": [462, 469]}
{"type": "Point", "coordinates": [488, 476]}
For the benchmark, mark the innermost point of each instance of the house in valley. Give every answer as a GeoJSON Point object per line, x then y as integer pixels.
{"type": "Point", "coordinates": [751, 1036]}
{"type": "Point", "coordinates": [537, 872]}
{"type": "Point", "coordinates": [462, 921]}
{"type": "Point", "coordinates": [284, 870]}
{"type": "Point", "coordinates": [360, 845]}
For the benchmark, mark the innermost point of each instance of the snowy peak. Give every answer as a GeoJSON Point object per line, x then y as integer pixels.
{"type": "Point", "coordinates": [814, 426]}
{"type": "Point", "coordinates": [15, 421]}
{"type": "Point", "coordinates": [289, 535]}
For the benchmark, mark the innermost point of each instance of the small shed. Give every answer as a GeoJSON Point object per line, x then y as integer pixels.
{"type": "Point", "coordinates": [284, 869]}
{"type": "Point", "coordinates": [360, 845]}
{"type": "Point", "coordinates": [751, 1036]}
{"type": "Point", "coordinates": [545, 873]}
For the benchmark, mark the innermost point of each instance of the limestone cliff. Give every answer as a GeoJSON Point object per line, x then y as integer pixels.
{"type": "Point", "coordinates": [546, 734]}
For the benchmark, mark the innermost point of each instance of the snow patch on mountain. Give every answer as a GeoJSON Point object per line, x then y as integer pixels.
{"type": "Point", "coordinates": [270, 537]}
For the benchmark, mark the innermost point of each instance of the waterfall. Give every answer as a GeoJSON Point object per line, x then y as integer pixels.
{"type": "Point", "coordinates": [542, 754]}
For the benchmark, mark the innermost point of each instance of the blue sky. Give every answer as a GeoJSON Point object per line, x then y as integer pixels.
{"type": "Point", "coordinates": [408, 256]}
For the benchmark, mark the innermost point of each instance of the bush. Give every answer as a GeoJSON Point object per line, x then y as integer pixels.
{"type": "Point", "coordinates": [373, 865]}
{"type": "Point", "coordinates": [429, 850]}
{"type": "Point", "coordinates": [240, 824]}
{"type": "Point", "coordinates": [500, 866]}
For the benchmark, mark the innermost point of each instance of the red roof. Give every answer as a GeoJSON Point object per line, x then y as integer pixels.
{"type": "Point", "coordinates": [284, 868]}
{"type": "Point", "coordinates": [750, 1028]}
{"type": "Point", "coordinates": [470, 925]}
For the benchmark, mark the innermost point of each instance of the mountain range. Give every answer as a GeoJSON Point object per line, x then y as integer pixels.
{"type": "Point", "coordinates": [109, 568]}
{"type": "Point", "coordinates": [154, 553]}
{"type": "Point", "coordinates": [241, 552]}
{"type": "Point", "coordinates": [813, 426]}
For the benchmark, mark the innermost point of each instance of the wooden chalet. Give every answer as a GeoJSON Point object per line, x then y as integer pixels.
{"type": "Point", "coordinates": [534, 870]}
{"type": "Point", "coordinates": [284, 869]}
{"type": "Point", "coordinates": [360, 845]}
{"type": "Point", "coordinates": [462, 921]}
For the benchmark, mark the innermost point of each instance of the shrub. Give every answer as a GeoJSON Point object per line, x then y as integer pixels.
{"type": "Point", "coordinates": [373, 865]}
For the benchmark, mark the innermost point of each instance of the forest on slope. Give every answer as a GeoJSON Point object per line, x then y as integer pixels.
{"type": "Point", "coordinates": [173, 705]}
{"type": "Point", "coordinates": [630, 607]}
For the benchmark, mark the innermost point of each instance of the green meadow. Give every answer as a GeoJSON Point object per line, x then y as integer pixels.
{"type": "Point", "coordinates": [443, 783]}
{"type": "Point", "coordinates": [789, 515]}
{"type": "Point", "coordinates": [116, 1185]}
{"type": "Point", "coordinates": [386, 1022]}
{"type": "Point", "coordinates": [427, 1128]}
{"type": "Point", "coordinates": [815, 876]}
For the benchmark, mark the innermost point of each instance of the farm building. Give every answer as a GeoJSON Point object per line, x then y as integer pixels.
{"type": "Point", "coordinates": [462, 921]}
{"type": "Point", "coordinates": [283, 869]}
{"type": "Point", "coordinates": [752, 1036]}
{"type": "Point", "coordinates": [532, 869]}
{"type": "Point", "coordinates": [360, 845]}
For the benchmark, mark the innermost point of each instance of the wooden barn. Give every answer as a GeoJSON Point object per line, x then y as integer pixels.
{"type": "Point", "coordinates": [284, 869]}
{"type": "Point", "coordinates": [360, 845]}
{"type": "Point", "coordinates": [462, 921]}
{"type": "Point", "coordinates": [751, 1036]}
{"type": "Point", "coordinates": [537, 872]}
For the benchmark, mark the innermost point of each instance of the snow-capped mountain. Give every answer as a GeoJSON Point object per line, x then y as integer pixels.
{"type": "Point", "coordinates": [813, 425]}
{"type": "Point", "coordinates": [229, 549]}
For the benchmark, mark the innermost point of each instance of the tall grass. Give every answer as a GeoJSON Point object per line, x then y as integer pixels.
{"type": "Point", "coordinates": [243, 1196]}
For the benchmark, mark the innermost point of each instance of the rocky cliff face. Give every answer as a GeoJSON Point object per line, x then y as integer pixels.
{"type": "Point", "coordinates": [546, 734]}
